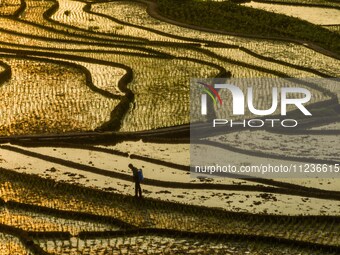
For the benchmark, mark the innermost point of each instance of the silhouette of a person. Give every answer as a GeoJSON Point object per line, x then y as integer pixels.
{"type": "Point", "coordinates": [138, 189]}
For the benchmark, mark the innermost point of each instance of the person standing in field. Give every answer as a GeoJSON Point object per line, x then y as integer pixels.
{"type": "Point", "coordinates": [137, 180]}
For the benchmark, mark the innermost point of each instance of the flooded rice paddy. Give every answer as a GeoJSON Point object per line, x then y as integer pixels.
{"type": "Point", "coordinates": [71, 72]}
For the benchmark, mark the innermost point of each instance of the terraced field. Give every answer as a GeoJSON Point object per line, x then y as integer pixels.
{"type": "Point", "coordinates": [89, 86]}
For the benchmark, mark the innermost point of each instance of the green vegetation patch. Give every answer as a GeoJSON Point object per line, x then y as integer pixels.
{"type": "Point", "coordinates": [326, 3]}
{"type": "Point", "coordinates": [231, 17]}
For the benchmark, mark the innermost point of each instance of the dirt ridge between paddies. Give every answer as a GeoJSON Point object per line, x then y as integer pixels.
{"type": "Point", "coordinates": [154, 12]}
{"type": "Point", "coordinates": [185, 168]}
{"type": "Point", "coordinates": [196, 43]}
{"type": "Point", "coordinates": [285, 189]}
